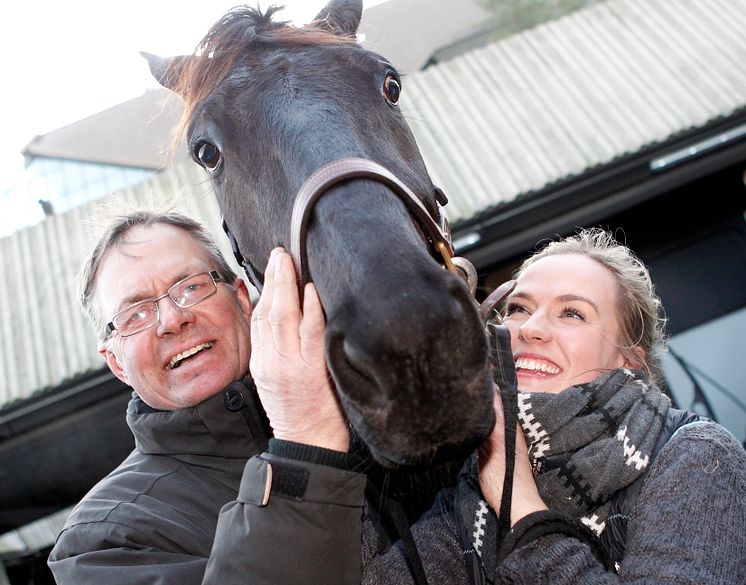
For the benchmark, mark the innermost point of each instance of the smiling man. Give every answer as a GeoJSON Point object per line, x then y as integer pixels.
{"type": "Point", "coordinates": [191, 504]}
{"type": "Point", "coordinates": [199, 341]}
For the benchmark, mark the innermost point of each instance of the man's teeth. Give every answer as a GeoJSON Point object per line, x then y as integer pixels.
{"type": "Point", "coordinates": [526, 364]}
{"type": "Point", "coordinates": [177, 359]}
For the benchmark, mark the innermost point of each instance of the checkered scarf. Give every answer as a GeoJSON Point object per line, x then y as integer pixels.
{"type": "Point", "coordinates": [585, 443]}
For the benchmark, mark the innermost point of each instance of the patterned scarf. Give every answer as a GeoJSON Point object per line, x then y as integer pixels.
{"type": "Point", "coordinates": [591, 440]}
{"type": "Point", "coordinates": [585, 444]}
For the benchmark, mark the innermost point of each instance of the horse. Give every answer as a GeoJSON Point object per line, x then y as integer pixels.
{"type": "Point", "coordinates": [271, 108]}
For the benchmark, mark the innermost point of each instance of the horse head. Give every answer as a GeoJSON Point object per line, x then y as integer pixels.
{"type": "Point", "coordinates": [266, 105]}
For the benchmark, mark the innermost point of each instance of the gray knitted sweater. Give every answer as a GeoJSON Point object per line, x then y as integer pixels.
{"type": "Point", "coordinates": [688, 526]}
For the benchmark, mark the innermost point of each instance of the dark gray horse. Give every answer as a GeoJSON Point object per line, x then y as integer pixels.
{"type": "Point", "coordinates": [266, 106]}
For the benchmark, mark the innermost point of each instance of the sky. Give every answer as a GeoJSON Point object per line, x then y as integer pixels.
{"type": "Point", "coordinates": [63, 61]}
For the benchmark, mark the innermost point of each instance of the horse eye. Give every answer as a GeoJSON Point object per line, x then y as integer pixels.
{"type": "Point", "coordinates": [208, 154]}
{"type": "Point", "coordinates": [391, 89]}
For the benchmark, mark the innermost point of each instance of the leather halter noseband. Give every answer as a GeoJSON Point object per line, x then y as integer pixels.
{"type": "Point", "coordinates": [437, 233]}
{"type": "Point", "coordinates": [358, 168]}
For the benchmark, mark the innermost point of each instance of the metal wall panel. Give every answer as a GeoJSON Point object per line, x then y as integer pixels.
{"type": "Point", "coordinates": [555, 101]}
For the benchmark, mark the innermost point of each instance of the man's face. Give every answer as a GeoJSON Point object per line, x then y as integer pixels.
{"type": "Point", "coordinates": [145, 265]}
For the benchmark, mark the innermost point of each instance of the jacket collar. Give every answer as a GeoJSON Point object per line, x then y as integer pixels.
{"type": "Point", "coordinates": [230, 424]}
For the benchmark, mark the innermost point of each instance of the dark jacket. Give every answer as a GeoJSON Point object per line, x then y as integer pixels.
{"type": "Point", "coordinates": [157, 518]}
{"type": "Point", "coordinates": [687, 526]}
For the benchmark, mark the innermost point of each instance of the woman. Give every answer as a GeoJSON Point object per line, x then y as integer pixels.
{"type": "Point", "coordinates": [609, 485]}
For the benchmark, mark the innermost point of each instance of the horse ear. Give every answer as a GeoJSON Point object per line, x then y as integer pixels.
{"type": "Point", "coordinates": [341, 17]}
{"type": "Point", "coordinates": [164, 69]}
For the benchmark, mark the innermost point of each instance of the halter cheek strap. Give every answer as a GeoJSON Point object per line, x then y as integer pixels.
{"type": "Point", "coordinates": [255, 276]}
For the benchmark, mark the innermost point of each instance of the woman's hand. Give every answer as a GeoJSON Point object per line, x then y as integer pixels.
{"type": "Point", "coordinates": [491, 454]}
{"type": "Point", "coordinates": [287, 361]}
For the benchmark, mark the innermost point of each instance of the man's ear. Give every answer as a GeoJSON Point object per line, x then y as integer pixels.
{"type": "Point", "coordinates": [113, 362]}
{"type": "Point", "coordinates": [243, 296]}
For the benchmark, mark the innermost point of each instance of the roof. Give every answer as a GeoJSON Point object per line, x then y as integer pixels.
{"type": "Point", "coordinates": [137, 133]}
{"type": "Point", "coordinates": [409, 32]}
{"type": "Point", "coordinates": [570, 95]}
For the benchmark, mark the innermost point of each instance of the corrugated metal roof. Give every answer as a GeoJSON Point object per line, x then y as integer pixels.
{"type": "Point", "coordinates": [34, 537]}
{"type": "Point", "coordinates": [44, 338]}
{"type": "Point", "coordinates": [581, 91]}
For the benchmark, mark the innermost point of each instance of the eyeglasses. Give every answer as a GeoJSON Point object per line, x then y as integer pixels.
{"type": "Point", "coordinates": [186, 293]}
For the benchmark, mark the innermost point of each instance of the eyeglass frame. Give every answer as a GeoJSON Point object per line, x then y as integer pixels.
{"type": "Point", "coordinates": [214, 275]}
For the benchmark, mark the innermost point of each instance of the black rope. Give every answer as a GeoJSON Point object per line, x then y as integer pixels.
{"type": "Point", "coordinates": [503, 373]}
{"type": "Point", "coordinates": [396, 512]}
{"type": "Point", "coordinates": [392, 518]}
{"type": "Point", "coordinates": [256, 277]}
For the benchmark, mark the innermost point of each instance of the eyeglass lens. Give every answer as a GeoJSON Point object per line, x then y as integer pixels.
{"type": "Point", "coordinates": [185, 293]}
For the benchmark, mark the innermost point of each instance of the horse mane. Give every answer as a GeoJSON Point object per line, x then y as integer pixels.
{"type": "Point", "coordinates": [195, 76]}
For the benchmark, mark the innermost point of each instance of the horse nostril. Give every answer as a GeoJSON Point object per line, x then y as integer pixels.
{"type": "Point", "coordinates": [347, 363]}
{"type": "Point", "coordinates": [354, 365]}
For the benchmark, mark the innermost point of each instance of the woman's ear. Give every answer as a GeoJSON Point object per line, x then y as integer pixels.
{"type": "Point", "coordinates": [634, 358]}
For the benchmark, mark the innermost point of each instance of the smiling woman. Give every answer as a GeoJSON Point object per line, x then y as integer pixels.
{"type": "Point", "coordinates": [561, 338]}
{"type": "Point", "coordinates": [586, 336]}
{"type": "Point", "coordinates": [579, 311]}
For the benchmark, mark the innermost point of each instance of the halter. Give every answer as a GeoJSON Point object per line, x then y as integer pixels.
{"type": "Point", "coordinates": [437, 233]}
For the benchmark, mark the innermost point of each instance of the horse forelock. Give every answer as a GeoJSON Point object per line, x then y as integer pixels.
{"type": "Point", "coordinates": [196, 76]}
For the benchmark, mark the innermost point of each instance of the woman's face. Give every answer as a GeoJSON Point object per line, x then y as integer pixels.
{"type": "Point", "coordinates": [563, 323]}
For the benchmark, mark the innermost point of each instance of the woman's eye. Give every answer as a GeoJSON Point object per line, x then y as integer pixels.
{"type": "Point", "coordinates": [512, 308]}
{"type": "Point", "coordinates": [208, 155]}
{"type": "Point", "coordinates": [573, 313]}
{"type": "Point", "coordinates": [391, 89]}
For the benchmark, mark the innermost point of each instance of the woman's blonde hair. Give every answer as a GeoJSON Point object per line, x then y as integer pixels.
{"type": "Point", "coordinates": [638, 307]}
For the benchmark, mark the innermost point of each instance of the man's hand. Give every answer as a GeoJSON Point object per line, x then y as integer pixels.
{"type": "Point", "coordinates": [287, 361]}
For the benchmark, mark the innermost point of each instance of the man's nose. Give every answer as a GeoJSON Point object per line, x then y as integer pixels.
{"type": "Point", "coordinates": [172, 318]}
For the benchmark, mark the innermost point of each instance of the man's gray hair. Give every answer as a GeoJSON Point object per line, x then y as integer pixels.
{"type": "Point", "coordinates": [114, 232]}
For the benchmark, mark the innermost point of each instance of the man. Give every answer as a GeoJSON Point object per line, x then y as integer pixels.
{"type": "Point", "coordinates": [174, 323]}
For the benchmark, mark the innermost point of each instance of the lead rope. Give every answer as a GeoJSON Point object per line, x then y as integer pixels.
{"type": "Point", "coordinates": [396, 512]}
{"type": "Point", "coordinates": [503, 375]}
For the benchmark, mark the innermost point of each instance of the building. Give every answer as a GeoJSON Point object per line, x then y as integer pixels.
{"type": "Point", "coordinates": [629, 114]}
